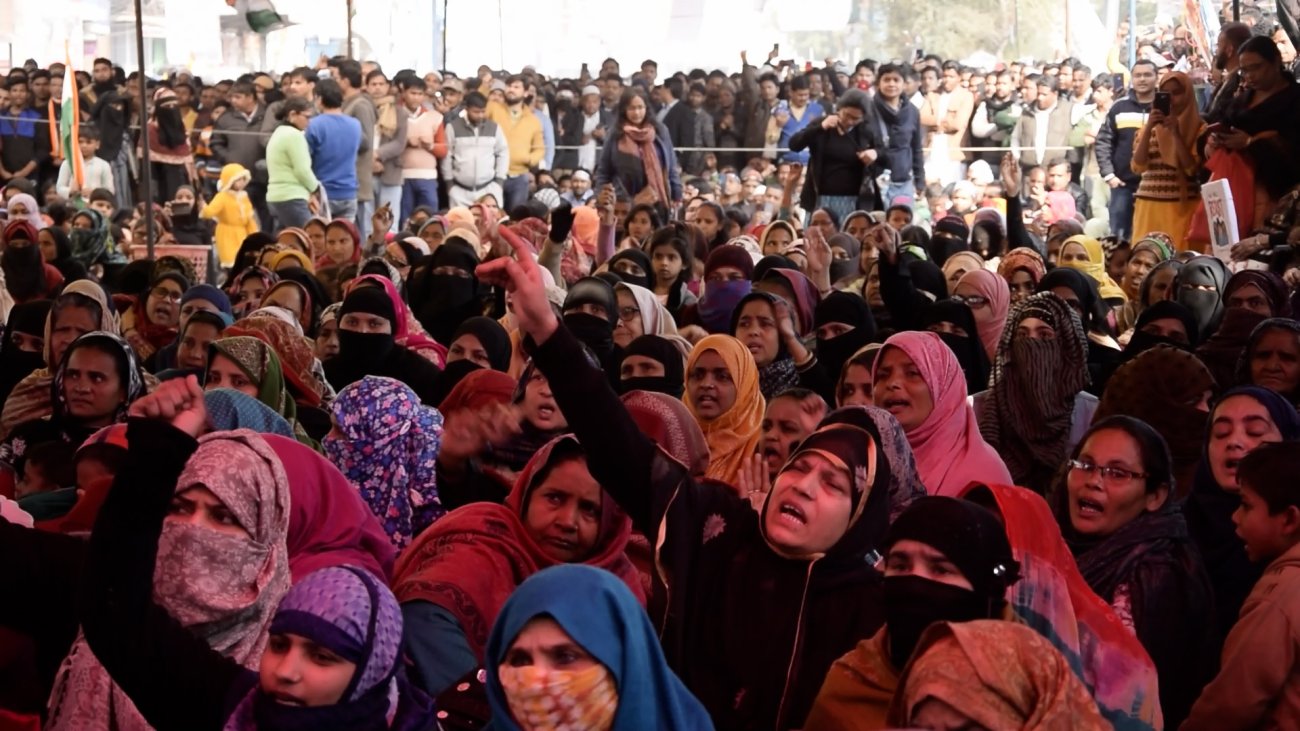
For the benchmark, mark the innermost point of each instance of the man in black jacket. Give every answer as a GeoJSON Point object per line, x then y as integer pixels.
{"type": "Point", "coordinates": [1115, 146]}
{"type": "Point", "coordinates": [236, 138]}
{"type": "Point", "coordinates": [678, 117]}
{"type": "Point", "coordinates": [842, 166]}
{"type": "Point", "coordinates": [110, 109]}
{"type": "Point", "coordinates": [899, 124]}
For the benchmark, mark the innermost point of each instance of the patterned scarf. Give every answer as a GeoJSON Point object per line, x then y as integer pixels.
{"type": "Point", "coordinates": [777, 376]}
{"type": "Point", "coordinates": [222, 587]}
{"type": "Point", "coordinates": [387, 445]}
{"type": "Point", "coordinates": [639, 141]}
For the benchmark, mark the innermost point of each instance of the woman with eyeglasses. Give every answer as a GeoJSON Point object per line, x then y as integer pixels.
{"type": "Point", "coordinates": [152, 321]}
{"type": "Point", "coordinates": [989, 298]}
{"type": "Point", "coordinates": [639, 313]}
{"type": "Point", "coordinates": [1116, 509]}
{"type": "Point", "coordinates": [1036, 409]}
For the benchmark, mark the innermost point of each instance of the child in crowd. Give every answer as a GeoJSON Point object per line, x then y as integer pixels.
{"type": "Point", "coordinates": [791, 415]}
{"type": "Point", "coordinates": [103, 201]}
{"type": "Point", "coordinates": [233, 211]}
{"type": "Point", "coordinates": [1258, 685]}
{"type": "Point", "coordinates": [45, 468]}
{"type": "Point", "coordinates": [97, 174]}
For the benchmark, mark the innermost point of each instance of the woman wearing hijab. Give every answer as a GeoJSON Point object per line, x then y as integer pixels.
{"type": "Point", "coordinates": [591, 311]}
{"type": "Point", "coordinates": [1166, 157]}
{"type": "Point", "coordinates": [1163, 323]}
{"type": "Point", "coordinates": [56, 249]}
{"type": "Point", "coordinates": [1085, 254]}
{"type": "Point", "coordinates": [368, 347]}
{"type": "Point", "coordinates": [454, 579]}
{"type": "Point", "coordinates": [1242, 419]}
{"type": "Point", "coordinates": [443, 291]}
{"type": "Point", "coordinates": [250, 366]}
{"type": "Point", "coordinates": [1053, 599]}
{"type": "Point", "coordinates": [386, 443]}
{"type": "Point", "coordinates": [1170, 389]}
{"type": "Point", "coordinates": [27, 277]}
{"type": "Point", "coordinates": [618, 679]}
{"type": "Point", "coordinates": [796, 289]}
{"type": "Point", "coordinates": [846, 252]}
{"type": "Point", "coordinates": [774, 660]}
{"type": "Point", "coordinates": [844, 326]}
{"type": "Point", "coordinates": [958, 265]}
{"type": "Point", "coordinates": [1117, 511]}
{"type": "Point", "coordinates": [242, 561]}
{"type": "Point", "coordinates": [483, 341]}
{"type": "Point", "coordinates": [854, 385]}
{"type": "Point", "coordinates": [858, 689]}
{"type": "Point", "coordinates": [171, 159]}
{"type": "Point", "coordinates": [303, 374]}
{"type": "Point", "coordinates": [727, 280]}
{"type": "Point", "coordinates": [1036, 409]}
{"type": "Point", "coordinates": [1249, 298]}
{"type": "Point", "coordinates": [633, 266]}
{"type": "Point", "coordinates": [82, 308]}
{"type": "Point", "coordinates": [408, 332]}
{"type": "Point", "coordinates": [1080, 292]}
{"type": "Point", "coordinates": [94, 384]}
{"type": "Point", "coordinates": [906, 285]}
{"type": "Point", "coordinates": [342, 245]}
{"type": "Point", "coordinates": [204, 525]}
{"type": "Point", "coordinates": [722, 392]}
{"type": "Point", "coordinates": [1270, 356]}
{"type": "Point", "coordinates": [918, 379]}
{"type": "Point", "coordinates": [992, 674]}
{"type": "Point", "coordinates": [22, 351]}
{"type": "Point", "coordinates": [1147, 254]}
{"type": "Point", "coordinates": [955, 324]}
{"type": "Point", "coordinates": [23, 207]}
{"type": "Point", "coordinates": [639, 313]}
{"type": "Point", "coordinates": [295, 298]}
{"type": "Point", "coordinates": [91, 239]}
{"type": "Point", "coordinates": [1199, 287]}
{"type": "Point", "coordinates": [652, 363]}
{"type": "Point", "coordinates": [989, 297]}
{"type": "Point", "coordinates": [765, 324]}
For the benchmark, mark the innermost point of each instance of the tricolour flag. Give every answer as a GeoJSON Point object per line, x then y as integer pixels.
{"type": "Point", "coordinates": [67, 142]}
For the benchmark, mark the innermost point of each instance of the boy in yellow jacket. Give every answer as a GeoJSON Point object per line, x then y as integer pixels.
{"type": "Point", "coordinates": [233, 212]}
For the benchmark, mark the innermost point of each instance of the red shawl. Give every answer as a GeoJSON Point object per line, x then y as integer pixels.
{"type": "Point", "coordinates": [478, 390]}
{"type": "Point", "coordinates": [639, 141]}
{"type": "Point", "coordinates": [471, 560]}
{"type": "Point", "coordinates": [324, 261]}
{"type": "Point", "coordinates": [296, 353]}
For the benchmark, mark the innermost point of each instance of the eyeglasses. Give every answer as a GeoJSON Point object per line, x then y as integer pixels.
{"type": "Point", "coordinates": [628, 314]}
{"type": "Point", "coordinates": [1111, 475]}
{"type": "Point", "coordinates": [163, 293]}
{"type": "Point", "coordinates": [973, 301]}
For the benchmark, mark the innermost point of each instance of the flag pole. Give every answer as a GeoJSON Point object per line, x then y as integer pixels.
{"type": "Point", "coordinates": [349, 4]}
{"type": "Point", "coordinates": [146, 172]}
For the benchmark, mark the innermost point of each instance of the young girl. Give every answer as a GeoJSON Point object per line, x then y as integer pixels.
{"type": "Point", "coordinates": [233, 212]}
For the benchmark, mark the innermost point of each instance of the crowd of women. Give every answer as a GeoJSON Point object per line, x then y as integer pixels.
{"type": "Point", "coordinates": [592, 468]}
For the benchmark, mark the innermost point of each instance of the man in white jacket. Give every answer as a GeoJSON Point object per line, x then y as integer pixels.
{"type": "Point", "coordinates": [478, 158]}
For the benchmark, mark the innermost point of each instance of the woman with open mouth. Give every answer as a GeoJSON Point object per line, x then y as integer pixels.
{"type": "Point", "coordinates": [1117, 511]}
{"type": "Point", "coordinates": [1242, 419]}
{"type": "Point", "coordinates": [759, 603]}
{"type": "Point", "coordinates": [766, 325]}
{"type": "Point", "coordinates": [722, 391]}
{"type": "Point", "coordinates": [454, 578]}
{"type": "Point", "coordinates": [918, 379]}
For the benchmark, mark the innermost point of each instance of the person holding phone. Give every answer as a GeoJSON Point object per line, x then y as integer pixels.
{"type": "Point", "coordinates": [1166, 157]}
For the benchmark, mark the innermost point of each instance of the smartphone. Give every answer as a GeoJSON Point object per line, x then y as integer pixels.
{"type": "Point", "coordinates": [181, 209]}
{"type": "Point", "coordinates": [1117, 83]}
{"type": "Point", "coordinates": [1162, 103]}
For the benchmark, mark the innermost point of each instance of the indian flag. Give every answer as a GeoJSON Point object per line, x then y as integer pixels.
{"type": "Point", "coordinates": [68, 123]}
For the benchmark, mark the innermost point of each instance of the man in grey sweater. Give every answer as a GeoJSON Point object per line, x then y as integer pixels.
{"type": "Point", "coordinates": [358, 105]}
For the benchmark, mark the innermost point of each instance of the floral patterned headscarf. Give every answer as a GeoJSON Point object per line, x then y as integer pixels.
{"type": "Point", "coordinates": [387, 445]}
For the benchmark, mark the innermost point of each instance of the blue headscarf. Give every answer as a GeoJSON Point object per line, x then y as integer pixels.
{"type": "Point", "coordinates": [229, 409]}
{"type": "Point", "coordinates": [598, 611]}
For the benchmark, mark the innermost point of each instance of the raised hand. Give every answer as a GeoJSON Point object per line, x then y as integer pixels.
{"type": "Point", "coordinates": [752, 482]}
{"type": "Point", "coordinates": [177, 402]}
{"type": "Point", "coordinates": [1010, 174]}
{"type": "Point", "coordinates": [521, 277]}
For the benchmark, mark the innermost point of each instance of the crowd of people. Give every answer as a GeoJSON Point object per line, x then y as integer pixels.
{"type": "Point", "coordinates": [904, 396]}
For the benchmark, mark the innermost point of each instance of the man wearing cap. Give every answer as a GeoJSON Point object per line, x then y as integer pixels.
{"type": "Point", "coordinates": [579, 191]}
{"type": "Point", "coordinates": [453, 98]}
{"type": "Point", "coordinates": [595, 120]}
{"type": "Point", "coordinates": [478, 156]}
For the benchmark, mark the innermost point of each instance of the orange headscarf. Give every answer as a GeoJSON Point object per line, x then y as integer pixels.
{"type": "Point", "coordinates": [586, 224]}
{"type": "Point", "coordinates": [1188, 121]}
{"type": "Point", "coordinates": [998, 674]}
{"type": "Point", "coordinates": [733, 436]}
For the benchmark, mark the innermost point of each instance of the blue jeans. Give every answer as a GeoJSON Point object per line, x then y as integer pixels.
{"type": "Point", "coordinates": [900, 190]}
{"type": "Point", "coordinates": [515, 192]}
{"type": "Point", "coordinates": [1121, 210]}
{"type": "Point", "coordinates": [290, 213]}
{"type": "Point", "coordinates": [840, 205]}
{"type": "Point", "coordinates": [416, 193]}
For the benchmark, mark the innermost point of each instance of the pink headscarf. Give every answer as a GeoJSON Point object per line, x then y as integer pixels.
{"type": "Point", "coordinates": [407, 331]}
{"type": "Point", "coordinates": [998, 293]}
{"type": "Point", "coordinates": [950, 452]}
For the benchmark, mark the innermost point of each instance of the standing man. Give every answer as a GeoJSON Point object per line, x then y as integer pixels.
{"type": "Point", "coordinates": [677, 118]}
{"type": "Point", "coordinates": [995, 119]}
{"type": "Point", "coordinates": [301, 84]}
{"type": "Point", "coordinates": [694, 162]}
{"type": "Point", "coordinates": [390, 143]}
{"type": "Point", "coordinates": [946, 117]}
{"type": "Point", "coordinates": [759, 96]}
{"type": "Point", "coordinates": [523, 134]}
{"type": "Point", "coordinates": [358, 105]}
{"type": "Point", "coordinates": [334, 139]}
{"type": "Point", "coordinates": [899, 124]}
{"type": "Point", "coordinates": [1226, 65]}
{"type": "Point", "coordinates": [24, 135]}
{"type": "Point", "coordinates": [1044, 129]}
{"type": "Point", "coordinates": [1115, 141]}
{"type": "Point", "coordinates": [795, 116]}
{"type": "Point", "coordinates": [1085, 132]}
{"type": "Point", "coordinates": [110, 110]}
{"type": "Point", "coordinates": [595, 121]}
{"type": "Point", "coordinates": [235, 139]}
{"type": "Point", "coordinates": [426, 143]}
{"type": "Point", "coordinates": [478, 156]}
